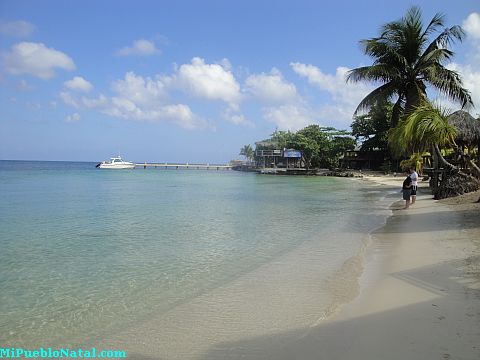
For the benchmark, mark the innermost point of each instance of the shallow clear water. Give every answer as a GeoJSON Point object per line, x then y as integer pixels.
{"type": "Point", "coordinates": [84, 251]}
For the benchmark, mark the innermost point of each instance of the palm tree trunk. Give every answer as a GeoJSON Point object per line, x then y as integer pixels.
{"type": "Point", "coordinates": [452, 169]}
{"type": "Point", "coordinates": [434, 180]}
{"type": "Point", "coordinates": [474, 167]}
{"type": "Point", "coordinates": [396, 112]}
{"type": "Point", "coordinates": [415, 94]}
{"type": "Point", "coordinates": [466, 158]}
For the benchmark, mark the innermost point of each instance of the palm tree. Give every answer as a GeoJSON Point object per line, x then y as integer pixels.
{"type": "Point", "coordinates": [405, 62]}
{"type": "Point", "coordinates": [247, 151]}
{"type": "Point", "coordinates": [427, 128]}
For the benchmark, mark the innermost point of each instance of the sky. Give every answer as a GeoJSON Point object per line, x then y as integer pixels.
{"type": "Point", "coordinates": [190, 81]}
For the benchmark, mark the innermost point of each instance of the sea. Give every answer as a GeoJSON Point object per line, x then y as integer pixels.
{"type": "Point", "coordinates": [89, 254]}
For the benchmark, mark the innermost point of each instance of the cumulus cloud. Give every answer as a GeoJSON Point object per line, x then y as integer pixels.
{"type": "Point", "coordinates": [236, 118]}
{"type": "Point", "coordinates": [208, 81]}
{"type": "Point", "coordinates": [472, 25]}
{"type": "Point", "coordinates": [36, 59]}
{"type": "Point", "coordinates": [69, 100]}
{"type": "Point", "coordinates": [271, 87]}
{"type": "Point", "coordinates": [180, 114]}
{"type": "Point", "coordinates": [290, 117]}
{"type": "Point", "coordinates": [75, 117]}
{"type": "Point", "coordinates": [139, 47]}
{"type": "Point", "coordinates": [150, 98]}
{"type": "Point", "coordinates": [18, 28]}
{"type": "Point", "coordinates": [78, 83]}
{"type": "Point", "coordinates": [138, 98]}
{"type": "Point", "coordinates": [144, 91]}
{"type": "Point", "coordinates": [345, 97]}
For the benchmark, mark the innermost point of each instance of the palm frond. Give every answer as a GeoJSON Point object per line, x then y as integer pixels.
{"type": "Point", "coordinates": [426, 126]}
{"type": "Point", "coordinates": [435, 56]}
{"type": "Point", "coordinates": [449, 82]}
{"type": "Point", "coordinates": [379, 72]}
{"type": "Point", "coordinates": [436, 22]}
{"type": "Point", "coordinates": [381, 93]}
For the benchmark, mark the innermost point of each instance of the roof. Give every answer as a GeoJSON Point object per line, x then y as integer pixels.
{"type": "Point", "coordinates": [467, 127]}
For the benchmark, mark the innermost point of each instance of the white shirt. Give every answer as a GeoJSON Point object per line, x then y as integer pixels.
{"type": "Point", "coordinates": [414, 177]}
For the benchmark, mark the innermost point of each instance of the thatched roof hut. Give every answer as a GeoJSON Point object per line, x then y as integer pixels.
{"type": "Point", "coordinates": [468, 128]}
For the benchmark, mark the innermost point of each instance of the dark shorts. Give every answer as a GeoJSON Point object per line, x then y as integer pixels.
{"type": "Point", "coordinates": [414, 190]}
{"type": "Point", "coordinates": [406, 194]}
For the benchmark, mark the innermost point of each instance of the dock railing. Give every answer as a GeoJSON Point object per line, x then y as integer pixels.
{"type": "Point", "coordinates": [186, 166]}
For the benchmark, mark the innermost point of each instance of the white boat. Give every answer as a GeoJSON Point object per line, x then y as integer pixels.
{"type": "Point", "coordinates": [116, 163]}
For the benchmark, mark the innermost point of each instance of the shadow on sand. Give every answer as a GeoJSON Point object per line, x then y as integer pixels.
{"type": "Point", "coordinates": [445, 327]}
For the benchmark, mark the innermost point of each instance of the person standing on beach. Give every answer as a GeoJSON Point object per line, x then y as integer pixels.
{"type": "Point", "coordinates": [414, 177]}
{"type": "Point", "coordinates": [407, 190]}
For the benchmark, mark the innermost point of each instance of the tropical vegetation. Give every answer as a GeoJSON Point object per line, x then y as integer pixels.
{"type": "Point", "coordinates": [321, 147]}
{"type": "Point", "coordinates": [427, 129]}
{"type": "Point", "coordinates": [400, 119]}
{"type": "Point", "coordinates": [248, 152]}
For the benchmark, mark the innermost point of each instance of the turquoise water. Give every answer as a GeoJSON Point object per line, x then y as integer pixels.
{"type": "Point", "coordinates": [85, 251]}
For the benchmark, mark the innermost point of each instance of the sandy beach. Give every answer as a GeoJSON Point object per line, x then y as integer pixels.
{"type": "Point", "coordinates": [419, 292]}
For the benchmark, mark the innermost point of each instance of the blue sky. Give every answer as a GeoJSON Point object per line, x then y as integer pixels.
{"type": "Point", "coordinates": [189, 81]}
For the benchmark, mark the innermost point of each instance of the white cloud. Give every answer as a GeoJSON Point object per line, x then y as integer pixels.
{"type": "Point", "coordinates": [271, 87]}
{"type": "Point", "coordinates": [180, 114]}
{"type": "Point", "coordinates": [290, 117]}
{"type": "Point", "coordinates": [36, 59]}
{"type": "Point", "coordinates": [232, 116]}
{"type": "Point", "coordinates": [139, 47]}
{"type": "Point", "coordinates": [138, 98]}
{"type": "Point", "coordinates": [149, 98]}
{"type": "Point", "coordinates": [78, 83]}
{"type": "Point", "coordinates": [144, 91]}
{"type": "Point", "coordinates": [69, 100]}
{"type": "Point", "coordinates": [208, 81]}
{"type": "Point", "coordinates": [75, 117]}
{"type": "Point", "coordinates": [92, 103]}
{"type": "Point", "coordinates": [18, 28]}
{"type": "Point", "coordinates": [472, 25]}
{"type": "Point", "coordinates": [225, 63]}
{"type": "Point", "coordinates": [346, 97]}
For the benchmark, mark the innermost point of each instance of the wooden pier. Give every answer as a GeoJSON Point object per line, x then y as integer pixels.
{"type": "Point", "coordinates": [186, 166]}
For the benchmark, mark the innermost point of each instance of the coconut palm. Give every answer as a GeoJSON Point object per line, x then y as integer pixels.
{"type": "Point", "coordinates": [405, 62]}
{"type": "Point", "coordinates": [427, 128]}
{"type": "Point", "coordinates": [247, 151]}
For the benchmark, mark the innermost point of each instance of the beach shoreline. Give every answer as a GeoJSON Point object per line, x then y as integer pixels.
{"type": "Point", "coordinates": [414, 292]}
{"type": "Point", "coordinates": [419, 291]}
{"type": "Point", "coordinates": [288, 293]}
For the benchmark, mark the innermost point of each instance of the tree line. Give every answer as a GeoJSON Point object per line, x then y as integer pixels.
{"type": "Point", "coordinates": [397, 117]}
{"type": "Point", "coordinates": [321, 147]}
